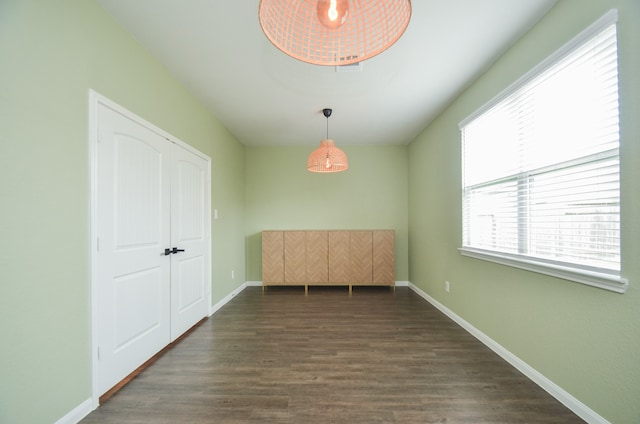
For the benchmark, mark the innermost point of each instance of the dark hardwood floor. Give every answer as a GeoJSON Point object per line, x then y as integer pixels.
{"type": "Point", "coordinates": [379, 356]}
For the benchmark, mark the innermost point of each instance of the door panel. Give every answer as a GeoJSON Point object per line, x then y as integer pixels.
{"type": "Point", "coordinates": [190, 270]}
{"type": "Point", "coordinates": [133, 228]}
{"type": "Point", "coordinates": [137, 299]}
{"type": "Point", "coordinates": [138, 172]}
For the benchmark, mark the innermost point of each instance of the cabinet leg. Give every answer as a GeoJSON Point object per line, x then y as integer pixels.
{"type": "Point", "coordinates": [350, 289]}
{"type": "Point", "coordinates": [306, 289]}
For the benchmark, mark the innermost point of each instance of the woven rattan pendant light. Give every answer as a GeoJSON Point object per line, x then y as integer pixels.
{"type": "Point", "coordinates": [334, 32]}
{"type": "Point", "coordinates": [327, 157]}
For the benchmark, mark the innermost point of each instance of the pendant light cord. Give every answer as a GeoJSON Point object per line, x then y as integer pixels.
{"type": "Point", "coordinates": [327, 128]}
{"type": "Point", "coordinates": [327, 113]}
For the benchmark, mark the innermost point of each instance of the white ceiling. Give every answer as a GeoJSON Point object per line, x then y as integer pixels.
{"type": "Point", "coordinates": [218, 51]}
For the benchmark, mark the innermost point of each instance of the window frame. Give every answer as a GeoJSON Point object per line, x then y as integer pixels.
{"type": "Point", "coordinates": [605, 279]}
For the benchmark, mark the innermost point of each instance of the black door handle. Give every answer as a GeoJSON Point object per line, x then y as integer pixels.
{"type": "Point", "coordinates": [167, 252]}
{"type": "Point", "coordinates": [176, 250]}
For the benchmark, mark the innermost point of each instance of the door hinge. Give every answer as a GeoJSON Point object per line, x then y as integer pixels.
{"type": "Point", "coordinates": [97, 244]}
{"type": "Point", "coordinates": [98, 353]}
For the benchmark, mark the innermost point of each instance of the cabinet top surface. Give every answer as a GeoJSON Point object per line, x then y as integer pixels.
{"type": "Point", "coordinates": [280, 231]}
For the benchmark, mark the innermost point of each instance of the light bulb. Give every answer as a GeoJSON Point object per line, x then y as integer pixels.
{"type": "Point", "coordinates": [327, 164]}
{"type": "Point", "coordinates": [333, 13]}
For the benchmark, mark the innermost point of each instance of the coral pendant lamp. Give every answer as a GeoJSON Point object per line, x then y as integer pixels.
{"type": "Point", "coordinates": [327, 158]}
{"type": "Point", "coordinates": [334, 32]}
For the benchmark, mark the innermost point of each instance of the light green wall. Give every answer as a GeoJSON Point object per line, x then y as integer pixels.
{"type": "Point", "coordinates": [584, 339]}
{"type": "Point", "coordinates": [282, 195]}
{"type": "Point", "coordinates": [51, 53]}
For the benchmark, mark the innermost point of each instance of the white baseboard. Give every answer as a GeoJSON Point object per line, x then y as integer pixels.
{"type": "Point", "coordinates": [564, 397]}
{"type": "Point", "coordinates": [78, 413]}
{"type": "Point", "coordinates": [259, 283]}
{"type": "Point", "coordinates": [214, 308]}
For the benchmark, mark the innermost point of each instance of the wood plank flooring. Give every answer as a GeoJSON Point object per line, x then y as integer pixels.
{"type": "Point", "coordinates": [379, 356]}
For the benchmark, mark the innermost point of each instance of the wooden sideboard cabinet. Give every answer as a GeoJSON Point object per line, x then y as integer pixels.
{"type": "Point", "coordinates": [331, 257]}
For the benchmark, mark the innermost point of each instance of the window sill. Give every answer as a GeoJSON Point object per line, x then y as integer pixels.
{"type": "Point", "coordinates": [601, 280]}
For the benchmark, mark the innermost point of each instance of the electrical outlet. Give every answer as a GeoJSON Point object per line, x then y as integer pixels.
{"type": "Point", "coordinates": [233, 275]}
{"type": "Point", "coordinates": [446, 286]}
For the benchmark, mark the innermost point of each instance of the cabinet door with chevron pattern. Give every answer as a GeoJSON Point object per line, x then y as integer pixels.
{"type": "Point", "coordinates": [272, 257]}
{"type": "Point", "coordinates": [361, 257]}
{"type": "Point", "coordinates": [316, 257]}
{"type": "Point", "coordinates": [295, 257]}
{"type": "Point", "coordinates": [383, 257]}
{"type": "Point", "coordinates": [339, 258]}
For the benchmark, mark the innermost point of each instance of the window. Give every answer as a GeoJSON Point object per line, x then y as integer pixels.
{"type": "Point", "coordinates": [541, 187]}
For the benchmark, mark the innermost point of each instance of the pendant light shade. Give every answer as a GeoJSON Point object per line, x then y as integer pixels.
{"type": "Point", "coordinates": [327, 157]}
{"type": "Point", "coordinates": [334, 32]}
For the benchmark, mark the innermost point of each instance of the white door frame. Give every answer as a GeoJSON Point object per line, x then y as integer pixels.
{"type": "Point", "coordinates": [95, 100]}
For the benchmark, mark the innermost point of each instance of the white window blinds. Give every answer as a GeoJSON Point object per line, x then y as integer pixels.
{"type": "Point", "coordinates": [541, 164]}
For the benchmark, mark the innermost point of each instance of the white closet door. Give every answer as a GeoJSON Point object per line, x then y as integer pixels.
{"type": "Point", "coordinates": [190, 269]}
{"type": "Point", "coordinates": [133, 223]}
